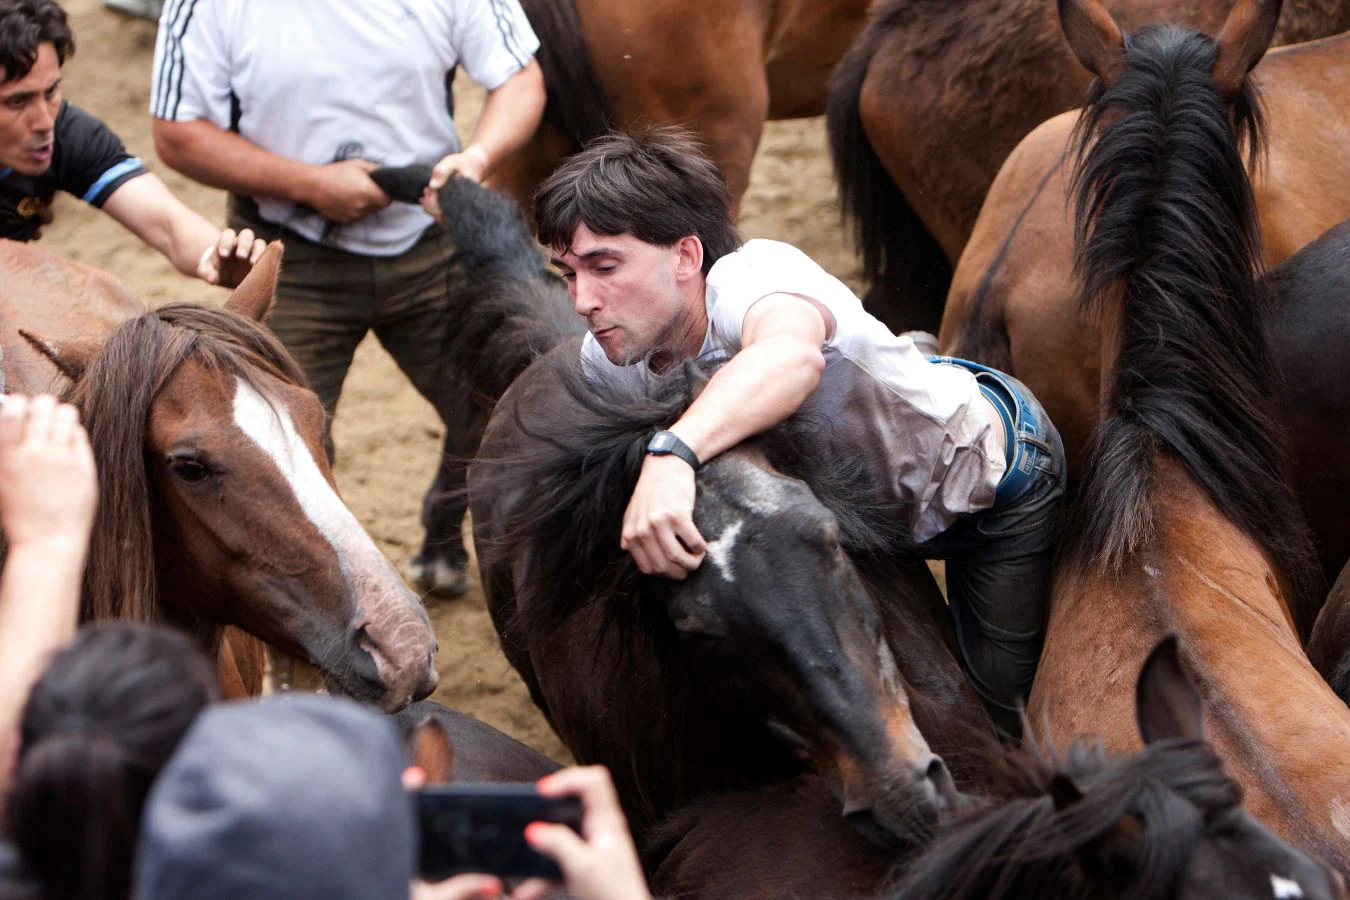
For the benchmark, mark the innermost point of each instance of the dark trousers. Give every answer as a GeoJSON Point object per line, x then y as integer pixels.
{"type": "Point", "coordinates": [329, 299]}
{"type": "Point", "coordinates": [999, 566]}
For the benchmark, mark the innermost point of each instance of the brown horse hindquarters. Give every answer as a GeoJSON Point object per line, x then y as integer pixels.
{"type": "Point", "coordinates": [719, 69]}
{"type": "Point", "coordinates": [1268, 713]}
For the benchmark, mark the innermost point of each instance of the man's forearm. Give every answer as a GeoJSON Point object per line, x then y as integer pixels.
{"type": "Point", "coordinates": [757, 389]}
{"type": "Point", "coordinates": [222, 159]}
{"type": "Point", "coordinates": [510, 115]}
{"type": "Point", "coordinates": [39, 610]}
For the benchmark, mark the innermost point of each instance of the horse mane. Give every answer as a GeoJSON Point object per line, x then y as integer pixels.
{"type": "Point", "coordinates": [1167, 227]}
{"type": "Point", "coordinates": [114, 398]}
{"type": "Point", "coordinates": [571, 483]}
{"type": "Point", "coordinates": [1029, 841]}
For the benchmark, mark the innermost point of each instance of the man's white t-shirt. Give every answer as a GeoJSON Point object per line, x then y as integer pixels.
{"type": "Point", "coordinates": [922, 428]}
{"type": "Point", "coordinates": [325, 80]}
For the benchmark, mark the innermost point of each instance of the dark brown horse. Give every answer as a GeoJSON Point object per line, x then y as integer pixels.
{"type": "Point", "coordinates": [216, 507]}
{"type": "Point", "coordinates": [933, 96]}
{"type": "Point", "coordinates": [1186, 521]}
{"type": "Point", "coordinates": [1164, 822]}
{"type": "Point", "coordinates": [778, 655]}
{"type": "Point", "coordinates": [1012, 303]}
{"type": "Point", "coordinates": [719, 69]}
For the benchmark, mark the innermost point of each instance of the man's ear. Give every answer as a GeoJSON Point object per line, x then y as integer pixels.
{"type": "Point", "coordinates": [690, 249]}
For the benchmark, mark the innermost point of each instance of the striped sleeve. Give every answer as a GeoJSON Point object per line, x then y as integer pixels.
{"type": "Point", "coordinates": [492, 40]}
{"type": "Point", "coordinates": [191, 76]}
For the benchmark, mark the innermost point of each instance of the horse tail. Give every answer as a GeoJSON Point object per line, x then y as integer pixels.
{"type": "Point", "coordinates": [577, 103]}
{"type": "Point", "coordinates": [907, 270]}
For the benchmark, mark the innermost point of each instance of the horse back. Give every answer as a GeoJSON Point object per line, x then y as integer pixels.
{"type": "Point", "coordinates": [57, 299]}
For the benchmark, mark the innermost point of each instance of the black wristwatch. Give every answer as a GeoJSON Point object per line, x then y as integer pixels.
{"type": "Point", "coordinates": [664, 443]}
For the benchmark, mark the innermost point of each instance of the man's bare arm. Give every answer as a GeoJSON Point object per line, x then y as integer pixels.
{"type": "Point", "coordinates": [204, 152]}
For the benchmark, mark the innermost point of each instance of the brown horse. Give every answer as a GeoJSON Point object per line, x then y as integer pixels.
{"type": "Point", "coordinates": [778, 655]}
{"type": "Point", "coordinates": [933, 96]}
{"type": "Point", "coordinates": [719, 69]}
{"type": "Point", "coordinates": [1012, 300]}
{"type": "Point", "coordinates": [217, 505]}
{"type": "Point", "coordinates": [1185, 521]}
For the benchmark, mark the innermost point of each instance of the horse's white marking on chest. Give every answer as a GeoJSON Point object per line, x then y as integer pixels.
{"type": "Point", "coordinates": [1285, 888]}
{"type": "Point", "coordinates": [719, 551]}
{"type": "Point", "coordinates": [270, 427]}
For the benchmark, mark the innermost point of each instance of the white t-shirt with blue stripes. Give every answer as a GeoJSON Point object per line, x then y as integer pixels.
{"type": "Point", "coordinates": [325, 80]}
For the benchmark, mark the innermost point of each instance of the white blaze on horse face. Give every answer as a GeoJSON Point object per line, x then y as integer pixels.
{"type": "Point", "coordinates": [392, 618]}
{"type": "Point", "coordinates": [720, 550]}
{"type": "Point", "coordinates": [1285, 888]}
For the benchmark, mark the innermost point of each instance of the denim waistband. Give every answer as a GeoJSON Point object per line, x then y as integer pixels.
{"type": "Point", "coordinates": [1024, 434]}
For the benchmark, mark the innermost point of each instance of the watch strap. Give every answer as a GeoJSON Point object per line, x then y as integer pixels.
{"type": "Point", "coordinates": [666, 443]}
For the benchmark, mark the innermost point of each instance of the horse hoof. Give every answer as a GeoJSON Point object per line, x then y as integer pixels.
{"type": "Point", "coordinates": [439, 578]}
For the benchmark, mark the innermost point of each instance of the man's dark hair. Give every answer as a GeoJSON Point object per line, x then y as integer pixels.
{"type": "Point", "coordinates": [99, 725]}
{"type": "Point", "coordinates": [656, 185]}
{"type": "Point", "coordinates": [26, 24]}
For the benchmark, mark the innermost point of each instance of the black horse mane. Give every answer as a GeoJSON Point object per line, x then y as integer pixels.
{"type": "Point", "coordinates": [572, 483]}
{"type": "Point", "coordinates": [1030, 841]}
{"type": "Point", "coordinates": [1167, 226]}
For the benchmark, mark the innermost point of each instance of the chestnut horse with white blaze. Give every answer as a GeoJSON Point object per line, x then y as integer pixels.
{"type": "Point", "coordinates": [1186, 522]}
{"type": "Point", "coordinates": [217, 507]}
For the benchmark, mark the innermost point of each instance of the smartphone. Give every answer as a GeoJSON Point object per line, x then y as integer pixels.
{"type": "Point", "coordinates": [481, 828]}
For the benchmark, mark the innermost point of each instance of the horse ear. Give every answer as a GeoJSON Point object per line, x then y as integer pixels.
{"type": "Point", "coordinates": [1243, 41]}
{"type": "Point", "coordinates": [257, 293]}
{"type": "Point", "coordinates": [71, 357]}
{"type": "Point", "coordinates": [1093, 36]}
{"type": "Point", "coordinates": [697, 378]}
{"type": "Point", "coordinates": [1167, 703]}
{"type": "Point", "coordinates": [433, 752]}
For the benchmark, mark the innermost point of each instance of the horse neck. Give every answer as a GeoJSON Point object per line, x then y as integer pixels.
{"type": "Point", "coordinates": [1202, 578]}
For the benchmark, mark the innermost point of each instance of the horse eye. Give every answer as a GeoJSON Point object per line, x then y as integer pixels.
{"type": "Point", "coordinates": [189, 468]}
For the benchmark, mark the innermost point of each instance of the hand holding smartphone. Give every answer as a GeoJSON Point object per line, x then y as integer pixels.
{"type": "Point", "coordinates": [481, 828]}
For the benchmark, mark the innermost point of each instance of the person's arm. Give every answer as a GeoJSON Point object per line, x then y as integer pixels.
{"type": "Point", "coordinates": [511, 113]}
{"type": "Point", "coordinates": [203, 151]}
{"type": "Point", "coordinates": [48, 495]}
{"type": "Point", "coordinates": [777, 368]}
{"type": "Point", "coordinates": [146, 208]}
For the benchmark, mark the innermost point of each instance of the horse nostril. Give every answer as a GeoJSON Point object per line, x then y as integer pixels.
{"type": "Point", "coordinates": [944, 790]}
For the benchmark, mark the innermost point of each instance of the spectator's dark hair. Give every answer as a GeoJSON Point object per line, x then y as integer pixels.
{"type": "Point", "coordinates": [97, 728]}
{"type": "Point", "coordinates": [656, 185]}
{"type": "Point", "coordinates": [26, 24]}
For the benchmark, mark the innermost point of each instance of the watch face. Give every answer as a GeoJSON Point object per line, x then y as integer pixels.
{"type": "Point", "coordinates": [661, 442]}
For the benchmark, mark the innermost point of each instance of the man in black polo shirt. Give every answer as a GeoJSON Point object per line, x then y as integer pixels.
{"type": "Point", "coordinates": [48, 145]}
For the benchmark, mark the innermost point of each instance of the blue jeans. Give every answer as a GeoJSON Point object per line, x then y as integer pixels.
{"type": "Point", "coordinates": [999, 560]}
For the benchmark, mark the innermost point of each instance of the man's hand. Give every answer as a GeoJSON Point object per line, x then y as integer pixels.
{"type": "Point", "coordinates": [470, 163]}
{"type": "Point", "coordinates": [231, 258]}
{"type": "Point", "coordinates": [658, 526]}
{"type": "Point", "coordinates": [601, 863]}
{"type": "Point", "coordinates": [343, 192]}
{"type": "Point", "coordinates": [48, 489]}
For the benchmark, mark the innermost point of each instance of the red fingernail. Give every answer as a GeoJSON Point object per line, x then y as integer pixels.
{"type": "Point", "coordinates": [532, 832]}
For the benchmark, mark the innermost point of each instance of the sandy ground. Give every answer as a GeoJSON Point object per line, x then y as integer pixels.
{"type": "Point", "coordinates": [388, 437]}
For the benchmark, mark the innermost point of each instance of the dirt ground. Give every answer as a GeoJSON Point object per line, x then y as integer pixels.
{"type": "Point", "coordinates": [388, 437]}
